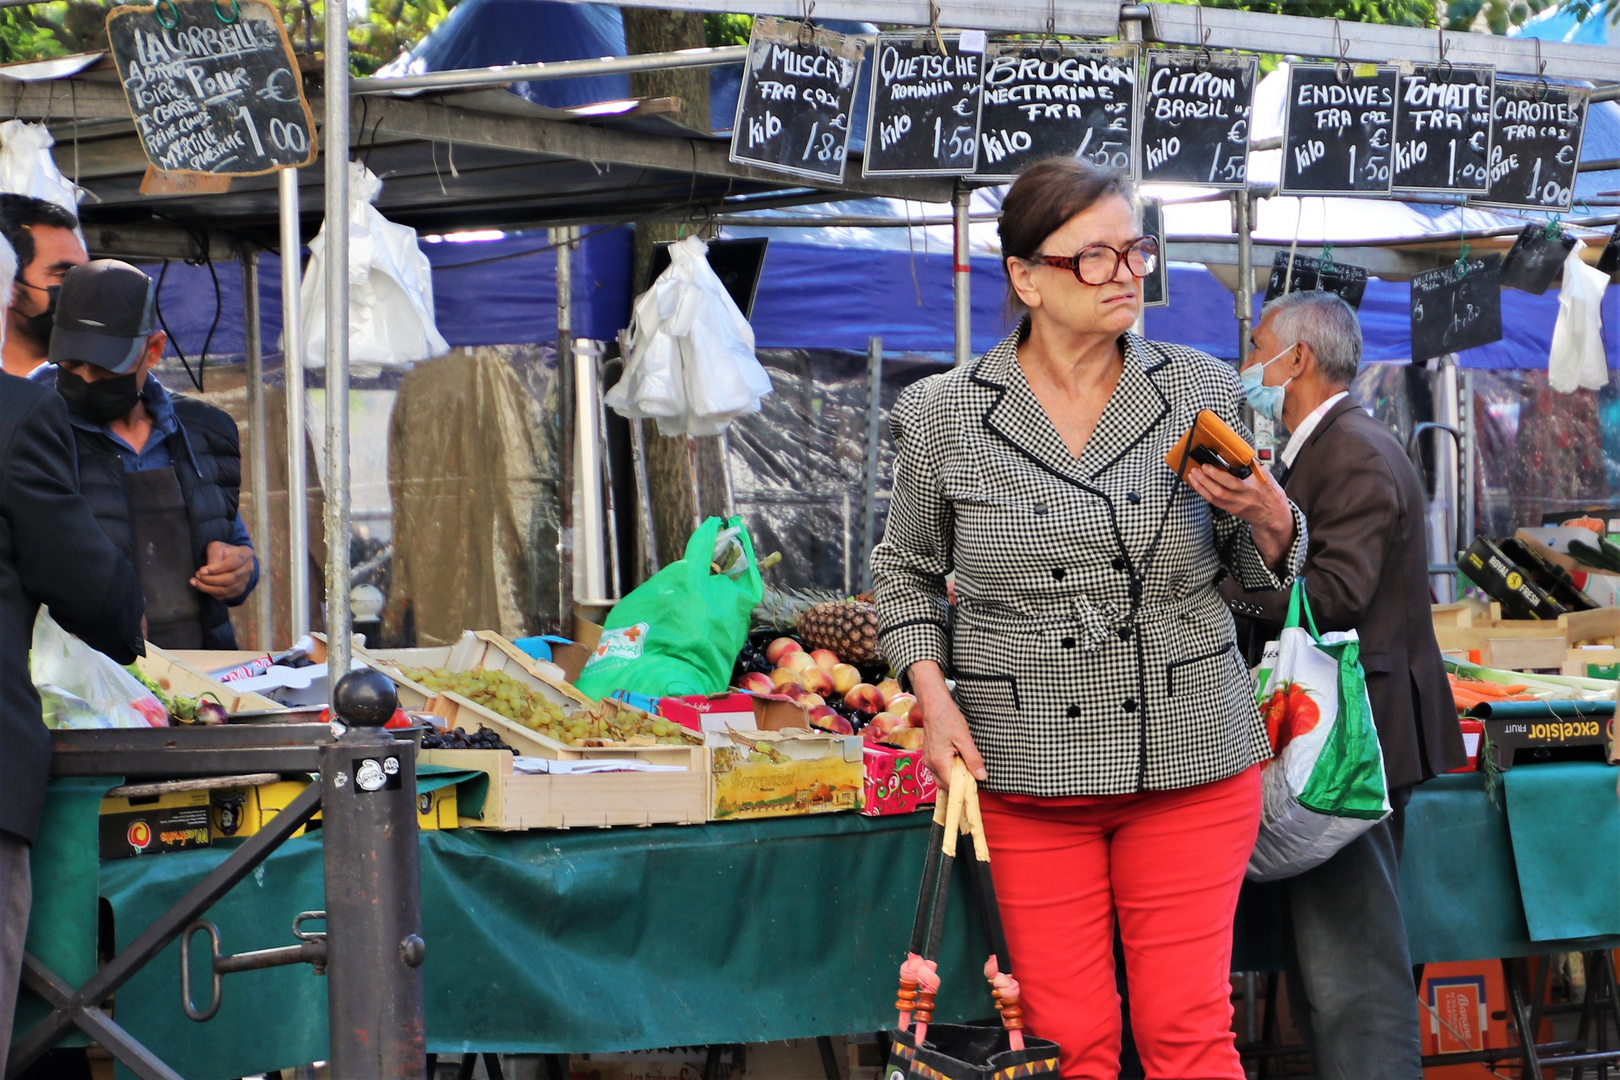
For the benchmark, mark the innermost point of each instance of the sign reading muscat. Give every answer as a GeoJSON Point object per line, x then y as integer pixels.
{"type": "Point", "coordinates": [212, 94]}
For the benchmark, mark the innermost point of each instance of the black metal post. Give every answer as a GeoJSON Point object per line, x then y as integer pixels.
{"type": "Point", "coordinates": [373, 889]}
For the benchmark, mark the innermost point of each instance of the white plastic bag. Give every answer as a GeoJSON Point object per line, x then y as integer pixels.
{"type": "Point", "coordinates": [692, 365]}
{"type": "Point", "coordinates": [27, 168]}
{"type": "Point", "coordinates": [1577, 358]}
{"type": "Point", "coordinates": [391, 322]}
{"type": "Point", "coordinates": [1326, 785]}
{"type": "Point", "coordinates": [82, 688]}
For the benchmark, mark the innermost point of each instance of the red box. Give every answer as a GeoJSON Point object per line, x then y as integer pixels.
{"type": "Point", "coordinates": [1473, 733]}
{"type": "Point", "coordinates": [897, 781]}
{"type": "Point", "coordinates": [713, 713]}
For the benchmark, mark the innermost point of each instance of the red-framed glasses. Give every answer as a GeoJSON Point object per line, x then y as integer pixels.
{"type": "Point", "coordinates": [1096, 264]}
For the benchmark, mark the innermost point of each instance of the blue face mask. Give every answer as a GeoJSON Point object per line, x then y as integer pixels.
{"type": "Point", "coordinates": [1265, 400]}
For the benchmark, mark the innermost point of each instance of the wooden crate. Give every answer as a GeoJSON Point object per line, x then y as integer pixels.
{"type": "Point", "coordinates": [176, 676]}
{"type": "Point", "coordinates": [477, 649]}
{"type": "Point", "coordinates": [523, 801]}
{"type": "Point", "coordinates": [1576, 661]}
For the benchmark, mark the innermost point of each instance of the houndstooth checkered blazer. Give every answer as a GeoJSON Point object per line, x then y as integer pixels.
{"type": "Point", "coordinates": [1087, 661]}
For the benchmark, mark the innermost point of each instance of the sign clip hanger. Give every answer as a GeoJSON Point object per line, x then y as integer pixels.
{"type": "Point", "coordinates": [1542, 87]}
{"type": "Point", "coordinates": [236, 13]}
{"type": "Point", "coordinates": [1051, 32]}
{"type": "Point", "coordinates": [1341, 66]}
{"type": "Point", "coordinates": [1443, 69]}
{"type": "Point", "coordinates": [1204, 60]}
{"type": "Point", "coordinates": [933, 27]}
{"type": "Point", "coordinates": [807, 28]}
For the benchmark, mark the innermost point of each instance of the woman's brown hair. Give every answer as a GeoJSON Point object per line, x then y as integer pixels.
{"type": "Point", "coordinates": [1046, 195]}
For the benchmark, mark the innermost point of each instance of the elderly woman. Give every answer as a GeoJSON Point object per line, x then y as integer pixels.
{"type": "Point", "coordinates": [1099, 695]}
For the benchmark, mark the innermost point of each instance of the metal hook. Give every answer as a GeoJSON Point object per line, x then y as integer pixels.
{"type": "Point", "coordinates": [1586, 211]}
{"type": "Point", "coordinates": [1443, 65]}
{"type": "Point", "coordinates": [1554, 228]}
{"type": "Point", "coordinates": [1050, 33]}
{"type": "Point", "coordinates": [807, 28]}
{"type": "Point", "coordinates": [173, 20]}
{"type": "Point", "coordinates": [1204, 59]}
{"type": "Point", "coordinates": [236, 12]}
{"type": "Point", "coordinates": [1341, 66]}
{"type": "Point", "coordinates": [933, 26]}
{"type": "Point", "coordinates": [1542, 88]}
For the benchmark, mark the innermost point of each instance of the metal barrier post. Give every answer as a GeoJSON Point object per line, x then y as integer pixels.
{"type": "Point", "coordinates": [373, 891]}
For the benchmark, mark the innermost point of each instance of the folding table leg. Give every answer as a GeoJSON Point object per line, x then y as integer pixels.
{"type": "Point", "coordinates": [1521, 1019]}
{"type": "Point", "coordinates": [829, 1060]}
{"type": "Point", "coordinates": [556, 1066]}
{"type": "Point", "coordinates": [492, 1067]}
{"type": "Point", "coordinates": [469, 1062]}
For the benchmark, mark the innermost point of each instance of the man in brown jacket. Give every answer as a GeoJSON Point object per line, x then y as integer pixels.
{"type": "Point", "coordinates": [1349, 968]}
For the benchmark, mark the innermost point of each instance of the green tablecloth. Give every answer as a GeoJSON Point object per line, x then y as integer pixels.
{"type": "Point", "coordinates": [597, 940]}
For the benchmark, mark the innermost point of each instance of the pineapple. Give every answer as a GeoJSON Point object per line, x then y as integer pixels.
{"type": "Point", "coordinates": [849, 627]}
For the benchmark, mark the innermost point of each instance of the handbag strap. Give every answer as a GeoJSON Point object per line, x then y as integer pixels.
{"type": "Point", "coordinates": [956, 816]}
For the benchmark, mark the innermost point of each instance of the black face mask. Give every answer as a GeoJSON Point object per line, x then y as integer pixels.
{"type": "Point", "coordinates": [99, 402]}
{"type": "Point", "coordinates": [39, 326]}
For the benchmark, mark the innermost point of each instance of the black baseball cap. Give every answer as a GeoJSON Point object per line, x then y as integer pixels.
{"type": "Point", "coordinates": [103, 315]}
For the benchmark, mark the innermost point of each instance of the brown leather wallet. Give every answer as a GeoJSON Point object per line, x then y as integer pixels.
{"type": "Point", "coordinates": [1210, 441]}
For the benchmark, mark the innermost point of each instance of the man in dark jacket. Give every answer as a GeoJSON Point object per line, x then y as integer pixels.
{"type": "Point", "coordinates": [51, 553]}
{"type": "Point", "coordinates": [1366, 569]}
{"type": "Point", "coordinates": [162, 473]}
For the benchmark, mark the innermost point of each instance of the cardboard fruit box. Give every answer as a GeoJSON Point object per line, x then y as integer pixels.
{"type": "Point", "coordinates": [782, 773]}
{"type": "Point", "coordinates": [897, 781]}
{"type": "Point", "coordinates": [518, 800]}
{"type": "Point", "coordinates": [176, 673]}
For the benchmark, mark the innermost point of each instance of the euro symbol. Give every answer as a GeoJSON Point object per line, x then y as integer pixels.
{"type": "Point", "coordinates": [1566, 154]}
{"type": "Point", "coordinates": [280, 87]}
{"type": "Point", "coordinates": [1476, 142]}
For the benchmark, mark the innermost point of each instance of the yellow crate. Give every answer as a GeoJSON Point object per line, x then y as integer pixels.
{"type": "Point", "coordinates": [523, 801]}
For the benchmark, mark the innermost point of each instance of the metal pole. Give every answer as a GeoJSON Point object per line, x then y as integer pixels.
{"type": "Point", "coordinates": [292, 366]}
{"type": "Point", "coordinates": [961, 273]}
{"type": "Point", "coordinates": [564, 69]}
{"type": "Point", "coordinates": [373, 889]}
{"type": "Point", "coordinates": [1245, 289]}
{"type": "Point", "coordinates": [336, 138]}
{"type": "Point", "coordinates": [869, 479]}
{"type": "Point", "coordinates": [1470, 440]}
{"type": "Point", "coordinates": [258, 448]}
{"type": "Point", "coordinates": [567, 588]}
{"type": "Point", "coordinates": [588, 469]}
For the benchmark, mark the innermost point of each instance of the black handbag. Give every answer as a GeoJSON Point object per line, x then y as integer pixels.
{"type": "Point", "coordinates": [984, 1049]}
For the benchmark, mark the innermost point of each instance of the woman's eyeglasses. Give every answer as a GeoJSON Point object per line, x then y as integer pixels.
{"type": "Point", "coordinates": [1096, 264]}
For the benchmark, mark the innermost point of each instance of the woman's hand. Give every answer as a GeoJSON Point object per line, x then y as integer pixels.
{"type": "Point", "coordinates": [1259, 500]}
{"type": "Point", "coordinates": [945, 731]}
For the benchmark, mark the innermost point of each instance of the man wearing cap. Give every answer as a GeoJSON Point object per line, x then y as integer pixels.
{"type": "Point", "coordinates": [163, 473]}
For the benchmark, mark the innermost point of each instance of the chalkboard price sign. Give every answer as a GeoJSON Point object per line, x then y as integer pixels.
{"type": "Point", "coordinates": [1195, 123]}
{"type": "Point", "coordinates": [1339, 129]}
{"type": "Point", "coordinates": [1042, 100]}
{"type": "Point", "coordinates": [924, 114]}
{"type": "Point", "coordinates": [797, 93]}
{"type": "Point", "coordinates": [210, 96]}
{"type": "Point", "coordinates": [1536, 258]}
{"type": "Point", "coordinates": [1451, 313]}
{"type": "Point", "coordinates": [1443, 132]}
{"type": "Point", "coordinates": [1308, 273]}
{"type": "Point", "coordinates": [1536, 131]}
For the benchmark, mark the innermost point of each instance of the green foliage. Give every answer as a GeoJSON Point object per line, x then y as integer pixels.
{"type": "Point", "coordinates": [722, 30]}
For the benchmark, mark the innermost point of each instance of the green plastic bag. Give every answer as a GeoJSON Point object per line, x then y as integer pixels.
{"type": "Point", "coordinates": [1325, 786]}
{"type": "Point", "coordinates": [679, 632]}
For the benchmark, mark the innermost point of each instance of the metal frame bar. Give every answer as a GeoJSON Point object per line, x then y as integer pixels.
{"type": "Point", "coordinates": [258, 448]}
{"type": "Point", "coordinates": [1082, 18]}
{"type": "Point", "coordinates": [292, 368]}
{"type": "Point", "coordinates": [463, 78]}
{"type": "Point", "coordinates": [338, 107]}
{"type": "Point", "coordinates": [81, 1008]}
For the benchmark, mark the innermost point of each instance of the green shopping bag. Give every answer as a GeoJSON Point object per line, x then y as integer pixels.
{"type": "Point", "coordinates": [1325, 786]}
{"type": "Point", "coordinates": [679, 632]}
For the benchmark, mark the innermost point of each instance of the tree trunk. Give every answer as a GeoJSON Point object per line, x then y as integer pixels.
{"type": "Point", "coordinates": [676, 503]}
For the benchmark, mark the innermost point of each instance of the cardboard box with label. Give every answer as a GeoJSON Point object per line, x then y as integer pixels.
{"type": "Point", "coordinates": [897, 781]}
{"type": "Point", "coordinates": [153, 824]}
{"type": "Point", "coordinates": [236, 813]}
{"type": "Point", "coordinates": [780, 773]}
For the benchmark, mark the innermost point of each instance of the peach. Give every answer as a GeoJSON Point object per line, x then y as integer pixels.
{"type": "Point", "coordinates": [826, 718]}
{"type": "Point", "coordinates": [888, 688]}
{"type": "Point", "coordinates": [816, 680]}
{"type": "Point", "coordinates": [864, 697]}
{"type": "Point", "coordinates": [756, 682]}
{"type": "Point", "coordinates": [845, 676]}
{"type": "Point", "coordinates": [776, 650]}
{"type": "Point", "coordinates": [811, 700]}
{"type": "Point", "coordinates": [889, 721]}
{"type": "Point", "coordinates": [900, 704]}
{"type": "Point", "coordinates": [825, 659]}
{"type": "Point", "coordinates": [783, 677]}
{"type": "Point", "coordinates": [793, 690]}
{"type": "Point", "coordinates": [798, 661]}
{"type": "Point", "coordinates": [906, 738]}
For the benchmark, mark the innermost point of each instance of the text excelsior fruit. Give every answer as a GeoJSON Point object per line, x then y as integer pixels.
{"type": "Point", "coordinates": [848, 628]}
{"type": "Point", "coordinates": [776, 650]}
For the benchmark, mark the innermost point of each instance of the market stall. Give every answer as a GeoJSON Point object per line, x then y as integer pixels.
{"type": "Point", "coordinates": [750, 796]}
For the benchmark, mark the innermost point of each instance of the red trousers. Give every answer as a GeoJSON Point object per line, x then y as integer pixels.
{"type": "Point", "coordinates": [1168, 865]}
